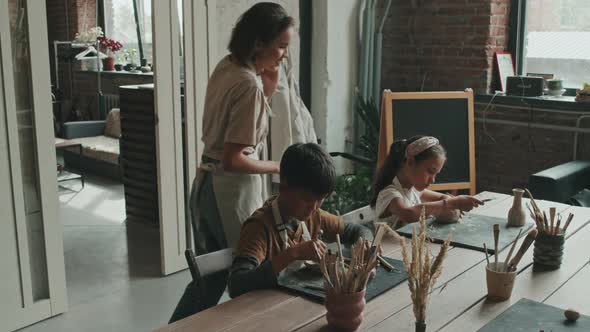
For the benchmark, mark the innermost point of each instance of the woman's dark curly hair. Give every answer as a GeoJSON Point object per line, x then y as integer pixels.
{"type": "Point", "coordinates": [259, 25]}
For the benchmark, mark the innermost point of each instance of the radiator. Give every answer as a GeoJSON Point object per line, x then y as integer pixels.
{"type": "Point", "coordinates": [108, 102]}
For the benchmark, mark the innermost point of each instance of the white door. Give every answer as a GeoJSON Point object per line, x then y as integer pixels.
{"type": "Point", "coordinates": [32, 271]}
{"type": "Point", "coordinates": [176, 148]}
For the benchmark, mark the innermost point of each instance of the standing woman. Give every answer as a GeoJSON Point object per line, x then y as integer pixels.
{"type": "Point", "coordinates": [230, 183]}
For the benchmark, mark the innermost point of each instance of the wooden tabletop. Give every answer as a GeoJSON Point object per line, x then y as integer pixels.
{"type": "Point", "coordinates": [457, 303]}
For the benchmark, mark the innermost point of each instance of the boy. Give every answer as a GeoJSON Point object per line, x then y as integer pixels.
{"type": "Point", "coordinates": [273, 237]}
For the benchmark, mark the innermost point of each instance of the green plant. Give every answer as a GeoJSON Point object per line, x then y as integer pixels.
{"type": "Point", "coordinates": [354, 190]}
{"type": "Point", "coordinates": [368, 143]}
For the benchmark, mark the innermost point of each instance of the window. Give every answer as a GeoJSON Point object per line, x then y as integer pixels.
{"type": "Point", "coordinates": [556, 40]}
{"type": "Point", "coordinates": [120, 25]}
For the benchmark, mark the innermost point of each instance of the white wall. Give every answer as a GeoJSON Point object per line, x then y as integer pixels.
{"type": "Point", "coordinates": [223, 15]}
{"type": "Point", "coordinates": [333, 73]}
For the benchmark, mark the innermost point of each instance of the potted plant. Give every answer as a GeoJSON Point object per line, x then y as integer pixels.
{"type": "Point", "coordinates": [130, 57]}
{"type": "Point", "coordinates": [119, 63]}
{"type": "Point", "coordinates": [111, 47]}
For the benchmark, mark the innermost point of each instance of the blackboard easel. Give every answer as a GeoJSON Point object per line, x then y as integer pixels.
{"type": "Point", "coordinates": [445, 115]}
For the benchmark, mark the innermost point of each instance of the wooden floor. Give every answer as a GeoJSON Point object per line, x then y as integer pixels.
{"type": "Point", "coordinates": [458, 302]}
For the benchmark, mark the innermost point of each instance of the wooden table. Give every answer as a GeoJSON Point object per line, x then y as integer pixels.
{"type": "Point", "coordinates": [458, 302]}
{"type": "Point", "coordinates": [65, 174]}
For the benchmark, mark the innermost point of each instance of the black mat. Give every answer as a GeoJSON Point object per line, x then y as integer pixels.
{"type": "Point", "coordinates": [300, 281]}
{"type": "Point", "coordinates": [528, 315]}
{"type": "Point", "coordinates": [471, 232]}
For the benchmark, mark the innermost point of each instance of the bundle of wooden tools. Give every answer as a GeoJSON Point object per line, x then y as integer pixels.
{"type": "Point", "coordinates": [549, 226]}
{"type": "Point", "coordinates": [343, 278]}
{"type": "Point", "coordinates": [509, 264]}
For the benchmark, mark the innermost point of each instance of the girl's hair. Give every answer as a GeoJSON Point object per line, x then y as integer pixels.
{"type": "Point", "coordinates": [262, 24]}
{"type": "Point", "coordinates": [394, 160]}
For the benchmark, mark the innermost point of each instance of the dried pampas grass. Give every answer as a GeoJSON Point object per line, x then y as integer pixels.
{"type": "Point", "coordinates": [423, 271]}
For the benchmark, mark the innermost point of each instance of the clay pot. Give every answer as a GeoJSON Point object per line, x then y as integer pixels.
{"type": "Point", "coordinates": [108, 64]}
{"type": "Point", "coordinates": [420, 326]}
{"type": "Point", "coordinates": [345, 311]}
{"type": "Point", "coordinates": [499, 284]}
{"type": "Point", "coordinates": [548, 252]}
{"type": "Point", "coordinates": [516, 215]}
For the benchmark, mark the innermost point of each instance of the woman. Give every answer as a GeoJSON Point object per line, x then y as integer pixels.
{"type": "Point", "coordinates": [230, 183]}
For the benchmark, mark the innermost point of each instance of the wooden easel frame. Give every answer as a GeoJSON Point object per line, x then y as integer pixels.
{"type": "Point", "coordinates": [386, 133]}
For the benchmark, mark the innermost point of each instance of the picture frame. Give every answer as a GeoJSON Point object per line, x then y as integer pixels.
{"type": "Point", "coordinates": [505, 66]}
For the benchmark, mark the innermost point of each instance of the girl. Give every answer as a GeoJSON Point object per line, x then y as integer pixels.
{"type": "Point", "coordinates": [399, 192]}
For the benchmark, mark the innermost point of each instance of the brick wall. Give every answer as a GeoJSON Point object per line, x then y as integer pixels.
{"type": "Point", "coordinates": [507, 154]}
{"type": "Point", "coordinates": [443, 45]}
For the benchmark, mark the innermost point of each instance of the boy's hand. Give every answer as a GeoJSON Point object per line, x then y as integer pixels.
{"type": "Point", "coordinates": [310, 250]}
{"type": "Point", "coordinates": [464, 202]}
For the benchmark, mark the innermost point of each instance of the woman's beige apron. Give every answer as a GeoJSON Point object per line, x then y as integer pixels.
{"type": "Point", "coordinates": [238, 195]}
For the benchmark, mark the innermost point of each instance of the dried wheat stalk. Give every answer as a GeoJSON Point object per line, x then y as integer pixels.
{"type": "Point", "coordinates": [422, 270]}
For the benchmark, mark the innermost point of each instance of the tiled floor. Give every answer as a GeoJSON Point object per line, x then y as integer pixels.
{"type": "Point", "coordinates": [112, 268]}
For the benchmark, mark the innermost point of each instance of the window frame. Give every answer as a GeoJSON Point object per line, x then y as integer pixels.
{"type": "Point", "coordinates": [516, 37]}
{"type": "Point", "coordinates": [101, 22]}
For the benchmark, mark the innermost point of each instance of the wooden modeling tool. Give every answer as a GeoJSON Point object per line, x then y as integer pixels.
{"type": "Point", "coordinates": [496, 237]}
{"type": "Point", "coordinates": [523, 248]}
{"type": "Point", "coordinates": [486, 252]}
{"type": "Point", "coordinates": [545, 222]}
{"type": "Point", "coordinates": [567, 222]}
{"type": "Point", "coordinates": [511, 251]}
{"type": "Point", "coordinates": [378, 236]}
{"type": "Point", "coordinates": [532, 199]}
{"type": "Point", "coordinates": [552, 216]}
{"type": "Point", "coordinates": [556, 230]}
{"type": "Point", "coordinates": [385, 263]}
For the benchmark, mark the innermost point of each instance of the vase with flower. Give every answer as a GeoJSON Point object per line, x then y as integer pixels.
{"type": "Point", "coordinates": [111, 47]}
{"type": "Point", "coordinates": [130, 58]}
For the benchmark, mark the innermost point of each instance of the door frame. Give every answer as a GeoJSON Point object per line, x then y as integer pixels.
{"type": "Point", "coordinates": [171, 159]}
{"type": "Point", "coordinates": [31, 311]}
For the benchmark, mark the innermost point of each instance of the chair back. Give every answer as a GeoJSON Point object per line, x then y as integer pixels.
{"type": "Point", "coordinates": [204, 265]}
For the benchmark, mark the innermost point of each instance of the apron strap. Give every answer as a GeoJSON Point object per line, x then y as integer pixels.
{"type": "Point", "coordinates": [281, 227]}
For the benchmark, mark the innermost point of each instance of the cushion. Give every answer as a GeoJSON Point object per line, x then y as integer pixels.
{"type": "Point", "coordinates": [100, 147]}
{"type": "Point", "coordinates": [559, 183]}
{"type": "Point", "coordinates": [113, 124]}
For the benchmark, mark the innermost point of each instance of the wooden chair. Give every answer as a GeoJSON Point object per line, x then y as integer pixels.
{"type": "Point", "coordinates": [360, 215]}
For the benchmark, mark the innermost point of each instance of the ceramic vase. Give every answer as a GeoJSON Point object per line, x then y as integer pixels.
{"type": "Point", "coordinates": [345, 311]}
{"type": "Point", "coordinates": [516, 215]}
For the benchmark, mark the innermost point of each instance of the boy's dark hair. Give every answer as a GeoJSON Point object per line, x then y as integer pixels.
{"type": "Point", "coordinates": [308, 167]}
{"type": "Point", "coordinates": [262, 23]}
{"type": "Point", "coordinates": [395, 158]}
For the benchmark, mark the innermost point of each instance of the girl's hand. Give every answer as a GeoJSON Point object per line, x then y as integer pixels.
{"type": "Point", "coordinates": [464, 203]}
{"type": "Point", "coordinates": [270, 80]}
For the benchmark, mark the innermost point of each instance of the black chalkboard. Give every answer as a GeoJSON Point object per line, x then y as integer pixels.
{"type": "Point", "coordinates": [445, 119]}
{"type": "Point", "coordinates": [447, 116]}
